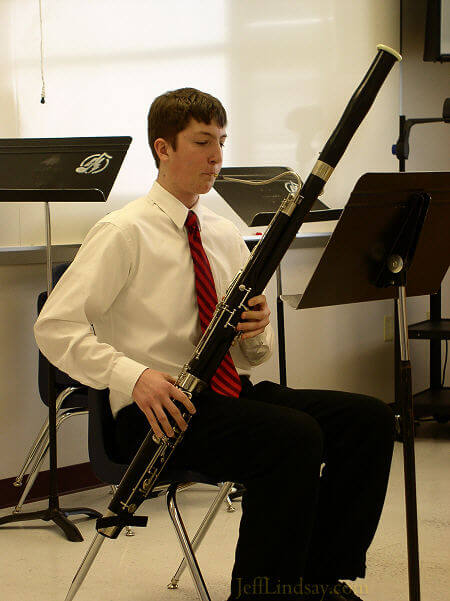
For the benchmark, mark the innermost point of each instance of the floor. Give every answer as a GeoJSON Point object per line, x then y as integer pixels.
{"type": "Point", "coordinates": [38, 564]}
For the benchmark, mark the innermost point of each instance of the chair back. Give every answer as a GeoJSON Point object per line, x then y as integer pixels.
{"type": "Point", "coordinates": [62, 380]}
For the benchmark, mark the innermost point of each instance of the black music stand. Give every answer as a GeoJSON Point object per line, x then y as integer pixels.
{"type": "Point", "coordinates": [58, 170]}
{"type": "Point", "coordinates": [433, 401]}
{"type": "Point", "coordinates": [256, 206]}
{"type": "Point", "coordinates": [391, 242]}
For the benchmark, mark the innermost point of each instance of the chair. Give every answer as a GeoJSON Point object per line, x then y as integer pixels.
{"type": "Point", "coordinates": [71, 400]}
{"type": "Point", "coordinates": [109, 470]}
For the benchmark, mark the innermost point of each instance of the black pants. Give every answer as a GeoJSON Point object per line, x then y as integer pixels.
{"type": "Point", "coordinates": [296, 526]}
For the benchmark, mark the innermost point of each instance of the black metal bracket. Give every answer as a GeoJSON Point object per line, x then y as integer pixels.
{"type": "Point", "coordinates": [395, 265]}
{"type": "Point", "coordinates": [120, 521]}
{"type": "Point", "coordinates": [401, 147]}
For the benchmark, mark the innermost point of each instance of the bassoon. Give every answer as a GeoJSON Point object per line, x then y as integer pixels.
{"type": "Point", "coordinates": [144, 471]}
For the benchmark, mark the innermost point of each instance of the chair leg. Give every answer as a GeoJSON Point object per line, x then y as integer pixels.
{"type": "Point", "coordinates": [36, 446]}
{"type": "Point", "coordinates": [34, 451]}
{"type": "Point", "coordinates": [43, 450]}
{"type": "Point", "coordinates": [183, 539]}
{"type": "Point", "coordinates": [202, 530]}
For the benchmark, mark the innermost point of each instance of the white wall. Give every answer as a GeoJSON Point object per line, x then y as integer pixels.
{"type": "Point", "coordinates": [285, 72]}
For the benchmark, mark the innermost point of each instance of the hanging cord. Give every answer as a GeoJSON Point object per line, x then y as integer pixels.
{"type": "Point", "coordinates": [42, 55]}
{"type": "Point", "coordinates": [445, 363]}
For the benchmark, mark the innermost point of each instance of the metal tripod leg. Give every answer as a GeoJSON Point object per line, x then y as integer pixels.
{"type": "Point", "coordinates": [202, 530]}
{"type": "Point", "coordinates": [407, 415]}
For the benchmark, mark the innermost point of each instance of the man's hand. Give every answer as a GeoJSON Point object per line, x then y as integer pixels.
{"type": "Point", "coordinates": [153, 394]}
{"type": "Point", "coordinates": [256, 319]}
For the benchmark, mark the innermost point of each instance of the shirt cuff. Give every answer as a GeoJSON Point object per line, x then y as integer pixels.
{"type": "Point", "coordinates": [125, 374]}
{"type": "Point", "coordinates": [256, 341]}
{"type": "Point", "coordinates": [258, 348]}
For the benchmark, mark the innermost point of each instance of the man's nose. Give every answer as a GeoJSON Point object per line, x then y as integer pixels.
{"type": "Point", "coordinates": [216, 155]}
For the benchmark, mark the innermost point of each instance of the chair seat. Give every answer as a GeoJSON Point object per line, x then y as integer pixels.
{"type": "Point", "coordinates": [185, 476]}
{"type": "Point", "coordinates": [116, 471]}
{"type": "Point", "coordinates": [101, 447]}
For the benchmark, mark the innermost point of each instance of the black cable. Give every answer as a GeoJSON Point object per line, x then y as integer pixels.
{"type": "Point", "coordinates": [42, 54]}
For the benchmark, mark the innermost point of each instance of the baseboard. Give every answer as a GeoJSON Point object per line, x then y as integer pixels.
{"type": "Point", "coordinates": [72, 478]}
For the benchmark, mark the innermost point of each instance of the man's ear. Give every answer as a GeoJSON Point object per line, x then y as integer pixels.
{"type": "Point", "coordinates": [162, 148]}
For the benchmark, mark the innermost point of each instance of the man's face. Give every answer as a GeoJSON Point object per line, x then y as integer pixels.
{"type": "Point", "coordinates": [190, 169]}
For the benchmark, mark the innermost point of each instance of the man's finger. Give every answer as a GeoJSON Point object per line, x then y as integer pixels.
{"type": "Point", "coordinates": [153, 422]}
{"type": "Point", "coordinates": [162, 418]}
{"type": "Point", "coordinates": [177, 395]}
{"type": "Point", "coordinates": [246, 326]}
{"type": "Point", "coordinates": [253, 315]}
{"type": "Point", "coordinates": [169, 378]}
{"type": "Point", "coordinates": [256, 300]}
{"type": "Point", "coordinates": [176, 414]}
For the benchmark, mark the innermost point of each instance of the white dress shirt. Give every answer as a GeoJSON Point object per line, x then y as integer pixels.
{"type": "Point", "coordinates": [128, 301]}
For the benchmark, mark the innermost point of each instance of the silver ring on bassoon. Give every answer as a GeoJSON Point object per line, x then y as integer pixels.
{"type": "Point", "coordinates": [190, 383]}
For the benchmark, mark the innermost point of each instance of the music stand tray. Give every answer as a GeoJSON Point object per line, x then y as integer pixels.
{"type": "Point", "coordinates": [391, 242]}
{"type": "Point", "coordinates": [256, 206]}
{"type": "Point", "coordinates": [362, 235]}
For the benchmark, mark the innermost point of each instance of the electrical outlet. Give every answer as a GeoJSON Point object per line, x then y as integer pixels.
{"type": "Point", "coordinates": [388, 328]}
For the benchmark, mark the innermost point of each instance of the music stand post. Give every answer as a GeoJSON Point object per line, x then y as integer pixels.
{"type": "Point", "coordinates": [401, 150]}
{"type": "Point", "coordinates": [395, 273]}
{"type": "Point", "coordinates": [65, 154]}
{"type": "Point", "coordinates": [391, 242]}
{"type": "Point", "coordinates": [53, 512]}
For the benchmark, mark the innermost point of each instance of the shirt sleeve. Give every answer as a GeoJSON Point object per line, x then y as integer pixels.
{"type": "Point", "coordinates": [65, 328]}
{"type": "Point", "coordinates": [258, 349]}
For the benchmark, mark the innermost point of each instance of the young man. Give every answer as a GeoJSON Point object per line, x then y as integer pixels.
{"type": "Point", "coordinates": [127, 315]}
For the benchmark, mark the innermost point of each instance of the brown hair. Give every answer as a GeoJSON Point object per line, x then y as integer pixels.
{"type": "Point", "coordinates": [171, 112]}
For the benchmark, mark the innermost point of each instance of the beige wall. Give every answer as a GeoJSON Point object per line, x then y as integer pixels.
{"type": "Point", "coordinates": [21, 412]}
{"type": "Point", "coordinates": [425, 85]}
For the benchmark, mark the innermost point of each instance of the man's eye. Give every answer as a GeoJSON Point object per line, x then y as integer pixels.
{"type": "Point", "coordinates": [222, 144]}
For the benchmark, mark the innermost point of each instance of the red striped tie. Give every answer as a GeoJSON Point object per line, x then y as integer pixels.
{"type": "Point", "coordinates": [226, 379]}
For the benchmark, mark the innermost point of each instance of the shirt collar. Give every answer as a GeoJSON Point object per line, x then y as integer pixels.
{"type": "Point", "coordinates": [172, 207]}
